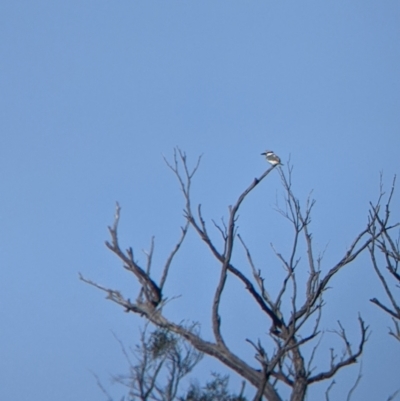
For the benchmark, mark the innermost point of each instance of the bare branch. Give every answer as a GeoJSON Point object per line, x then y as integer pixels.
{"type": "Point", "coordinates": [150, 289]}
{"type": "Point", "coordinates": [349, 359]}
{"type": "Point", "coordinates": [216, 319]}
{"type": "Point", "coordinates": [172, 255]}
{"type": "Point", "coordinates": [389, 248]}
{"type": "Point", "coordinates": [226, 259]}
{"type": "Point", "coordinates": [328, 390]}
{"type": "Point", "coordinates": [276, 320]}
{"type": "Point", "coordinates": [355, 385]}
{"type": "Point", "coordinates": [102, 388]}
{"type": "Point", "coordinates": [396, 333]}
{"type": "Point", "coordinates": [257, 276]}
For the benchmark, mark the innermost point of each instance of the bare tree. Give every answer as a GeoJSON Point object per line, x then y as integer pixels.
{"type": "Point", "coordinates": [389, 248]}
{"type": "Point", "coordinates": [282, 356]}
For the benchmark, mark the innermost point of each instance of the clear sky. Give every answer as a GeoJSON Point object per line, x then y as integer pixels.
{"type": "Point", "coordinates": [93, 93]}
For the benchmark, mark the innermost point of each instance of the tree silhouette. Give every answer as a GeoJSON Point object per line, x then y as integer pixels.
{"type": "Point", "coordinates": [294, 314]}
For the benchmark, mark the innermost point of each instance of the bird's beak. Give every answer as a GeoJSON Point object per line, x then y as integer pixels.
{"type": "Point", "coordinates": [263, 153]}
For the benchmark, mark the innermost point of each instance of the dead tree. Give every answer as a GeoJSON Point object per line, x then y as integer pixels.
{"type": "Point", "coordinates": [389, 249]}
{"type": "Point", "coordinates": [281, 356]}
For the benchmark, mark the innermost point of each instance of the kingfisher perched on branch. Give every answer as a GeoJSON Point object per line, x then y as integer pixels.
{"type": "Point", "coordinates": [272, 157]}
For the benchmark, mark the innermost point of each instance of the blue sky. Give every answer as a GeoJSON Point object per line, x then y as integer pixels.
{"type": "Point", "coordinates": [93, 94]}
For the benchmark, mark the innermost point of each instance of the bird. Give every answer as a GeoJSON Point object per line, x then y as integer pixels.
{"type": "Point", "coordinates": [272, 158]}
